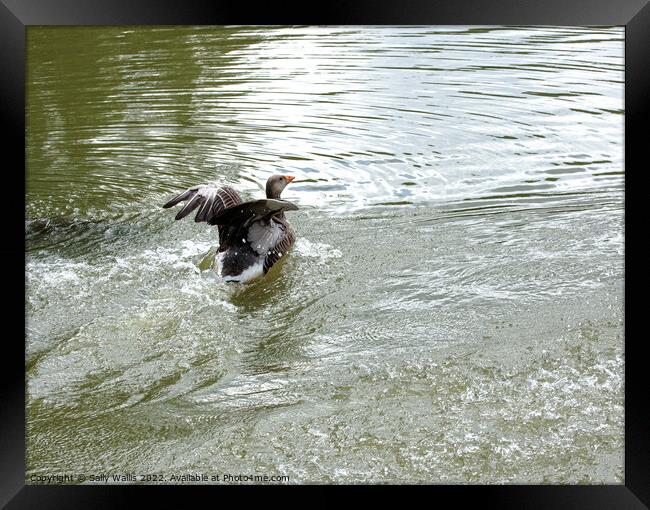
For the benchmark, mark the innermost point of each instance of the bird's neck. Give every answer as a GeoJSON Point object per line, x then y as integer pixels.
{"type": "Point", "coordinates": [270, 193]}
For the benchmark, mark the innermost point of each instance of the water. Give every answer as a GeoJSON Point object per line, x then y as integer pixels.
{"type": "Point", "coordinates": [452, 311]}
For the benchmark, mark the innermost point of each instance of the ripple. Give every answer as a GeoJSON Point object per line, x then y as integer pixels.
{"type": "Point", "coordinates": [149, 124]}
{"type": "Point", "coordinates": [452, 310]}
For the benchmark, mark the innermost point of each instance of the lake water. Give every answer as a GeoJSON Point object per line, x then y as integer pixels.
{"type": "Point", "coordinates": [452, 311]}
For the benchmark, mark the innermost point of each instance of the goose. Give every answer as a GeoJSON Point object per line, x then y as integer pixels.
{"type": "Point", "coordinates": [253, 235]}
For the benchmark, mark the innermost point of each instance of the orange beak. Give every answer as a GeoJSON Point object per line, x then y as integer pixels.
{"type": "Point", "coordinates": [289, 178]}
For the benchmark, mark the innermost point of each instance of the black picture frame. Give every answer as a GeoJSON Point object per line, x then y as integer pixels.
{"type": "Point", "coordinates": [16, 15]}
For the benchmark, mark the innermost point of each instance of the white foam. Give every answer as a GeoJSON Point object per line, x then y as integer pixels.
{"type": "Point", "coordinates": [322, 251]}
{"type": "Point", "coordinates": [202, 292]}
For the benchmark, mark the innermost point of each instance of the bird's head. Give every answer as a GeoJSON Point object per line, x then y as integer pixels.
{"type": "Point", "coordinates": [276, 183]}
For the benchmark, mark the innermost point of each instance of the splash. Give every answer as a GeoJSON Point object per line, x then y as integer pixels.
{"type": "Point", "coordinates": [320, 251]}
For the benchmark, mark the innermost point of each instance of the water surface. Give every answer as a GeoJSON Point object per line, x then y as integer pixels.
{"type": "Point", "coordinates": [452, 311]}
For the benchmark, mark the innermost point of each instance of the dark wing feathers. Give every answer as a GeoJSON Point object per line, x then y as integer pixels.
{"type": "Point", "coordinates": [191, 204]}
{"type": "Point", "coordinates": [210, 200]}
{"type": "Point", "coordinates": [179, 198]}
{"type": "Point", "coordinates": [247, 212]}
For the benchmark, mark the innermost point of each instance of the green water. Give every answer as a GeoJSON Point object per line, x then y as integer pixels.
{"type": "Point", "coordinates": [452, 311]}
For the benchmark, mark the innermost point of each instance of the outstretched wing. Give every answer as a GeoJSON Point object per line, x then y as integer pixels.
{"type": "Point", "coordinates": [209, 199]}
{"type": "Point", "coordinates": [244, 214]}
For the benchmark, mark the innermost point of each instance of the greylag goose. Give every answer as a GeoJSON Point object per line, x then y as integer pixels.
{"type": "Point", "coordinates": [253, 235]}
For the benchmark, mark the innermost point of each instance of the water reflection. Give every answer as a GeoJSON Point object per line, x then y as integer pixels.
{"type": "Point", "coordinates": [355, 117]}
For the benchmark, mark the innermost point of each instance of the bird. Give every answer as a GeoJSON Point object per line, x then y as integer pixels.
{"type": "Point", "coordinates": [253, 235]}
